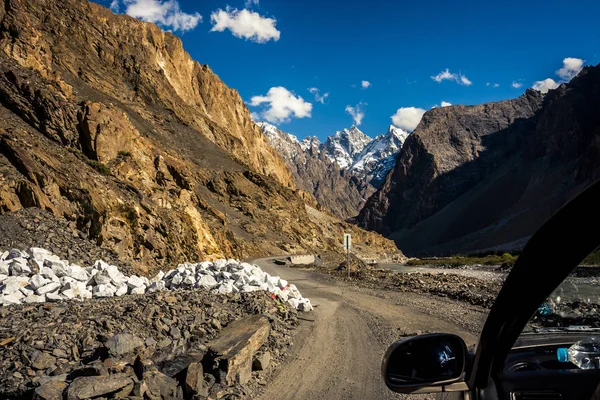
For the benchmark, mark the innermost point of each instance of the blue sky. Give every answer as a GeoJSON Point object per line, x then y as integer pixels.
{"type": "Point", "coordinates": [396, 46]}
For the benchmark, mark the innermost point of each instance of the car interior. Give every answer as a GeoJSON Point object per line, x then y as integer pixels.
{"type": "Point", "coordinates": [510, 361]}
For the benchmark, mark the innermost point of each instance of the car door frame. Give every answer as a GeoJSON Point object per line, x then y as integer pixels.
{"type": "Point", "coordinates": [548, 258]}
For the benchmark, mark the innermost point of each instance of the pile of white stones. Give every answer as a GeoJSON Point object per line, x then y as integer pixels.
{"type": "Point", "coordinates": [38, 276]}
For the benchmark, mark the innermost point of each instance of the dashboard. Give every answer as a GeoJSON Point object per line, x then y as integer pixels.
{"type": "Point", "coordinates": [532, 371]}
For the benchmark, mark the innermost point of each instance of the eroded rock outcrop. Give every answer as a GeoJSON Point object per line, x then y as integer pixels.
{"type": "Point", "coordinates": [108, 122]}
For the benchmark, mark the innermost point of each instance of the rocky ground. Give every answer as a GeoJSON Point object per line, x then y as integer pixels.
{"type": "Point", "coordinates": [32, 227]}
{"type": "Point", "coordinates": [474, 287]}
{"type": "Point", "coordinates": [574, 303]}
{"type": "Point", "coordinates": [180, 341]}
{"type": "Point", "coordinates": [126, 346]}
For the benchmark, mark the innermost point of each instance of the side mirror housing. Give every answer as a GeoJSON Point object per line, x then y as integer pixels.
{"type": "Point", "coordinates": [426, 364]}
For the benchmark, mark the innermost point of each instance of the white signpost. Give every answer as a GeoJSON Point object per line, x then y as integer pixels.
{"type": "Point", "coordinates": [347, 247]}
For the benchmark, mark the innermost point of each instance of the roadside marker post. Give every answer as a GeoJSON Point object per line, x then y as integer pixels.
{"type": "Point", "coordinates": [348, 246]}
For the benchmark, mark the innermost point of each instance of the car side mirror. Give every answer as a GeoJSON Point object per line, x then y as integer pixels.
{"type": "Point", "coordinates": [426, 364]}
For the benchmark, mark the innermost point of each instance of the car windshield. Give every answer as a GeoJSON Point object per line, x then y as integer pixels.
{"type": "Point", "coordinates": [575, 304]}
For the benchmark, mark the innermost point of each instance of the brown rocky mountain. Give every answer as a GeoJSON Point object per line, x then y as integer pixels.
{"type": "Point", "coordinates": [339, 191]}
{"type": "Point", "coordinates": [108, 122]}
{"type": "Point", "coordinates": [480, 177]}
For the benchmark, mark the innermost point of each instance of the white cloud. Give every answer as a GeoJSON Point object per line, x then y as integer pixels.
{"type": "Point", "coordinates": [571, 67]}
{"type": "Point", "coordinates": [545, 85]}
{"type": "Point", "coordinates": [408, 118]}
{"type": "Point", "coordinates": [114, 6]}
{"type": "Point", "coordinates": [516, 84]}
{"type": "Point", "coordinates": [446, 104]}
{"type": "Point", "coordinates": [165, 13]}
{"type": "Point", "coordinates": [245, 24]}
{"type": "Point", "coordinates": [365, 84]}
{"type": "Point", "coordinates": [465, 81]}
{"type": "Point", "coordinates": [496, 85]}
{"type": "Point", "coordinates": [487, 84]}
{"type": "Point", "coordinates": [281, 105]}
{"type": "Point", "coordinates": [250, 3]}
{"type": "Point", "coordinates": [357, 112]}
{"type": "Point", "coordinates": [318, 97]}
{"type": "Point", "coordinates": [446, 75]}
{"type": "Point", "coordinates": [255, 116]}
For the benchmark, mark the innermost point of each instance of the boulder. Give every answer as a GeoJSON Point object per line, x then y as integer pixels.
{"type": "Point", "coordinates": [13, 284]}
{"type": "Point", "coordinates": [207, 282]}
{"type": "Point", "coordinates": [41, 360]}
{"type": "Point", "coordinates": [8, 299]}
{"type": "Point", "coordinates": [26, 290]}
{"type": "Point", "coordinates": [135, 282]}
{"type": "Point", "coordinates": [86, 387]}
{"type": "Point", "coordinates": [159, 385]}
{"type": "Point", "coordinates": [51, 390]}
{"type": "Point", "coordinates": [58, 267]}
{"type": "Point", "coordinates": [37, 281]}
{"type": "Point", "coordinates": [156, 286]}
{"type": "Point", "coordinates": [194, 379]}
{"type": "Point", "coordinates": [236, 345]}
{"type": "Point", "coordinates": [107, 290]}
{"type": "Point", "coordinates": [77, 273]}
{"type": "Point", "coordinates": [123, 343]}
{"type": "Point", "coordinates": [19, 267]}
{"type": "Point", "coordinates": [121, 290]}
{"type": "Point", "coordinates": [34, 298]}
{"type": "Point", "coordinates": [54, 297]}
{"type": "Point", "coordinates": [4, 267]}
{"type": "Point", "coordinates": [48, 273]}
{"type": "Point", "coordinates": [48, 288]}
{"type": "Point", "coordinates": [138, 290]}
{"type": "Point", "coordinates": [16, 253]}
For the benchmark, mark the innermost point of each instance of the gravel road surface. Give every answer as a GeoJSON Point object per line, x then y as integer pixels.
{"type": "Point", "coordinates": [339, 347]}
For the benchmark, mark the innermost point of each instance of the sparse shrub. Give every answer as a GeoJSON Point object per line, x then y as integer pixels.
{"type": "Point", "coordinates": [98, 166]}
{"type": "Point", "coordinates": [124, 154]}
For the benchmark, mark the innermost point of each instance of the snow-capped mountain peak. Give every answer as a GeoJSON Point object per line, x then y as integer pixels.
{"type": "Point", "coordinates": [343, 147]}
{"type": "Point", "coordinates": [351, 149]}
{"type": "Point", "coordinates": [310, 143]}
{"type": "Point", "coordinates": [379, 156]}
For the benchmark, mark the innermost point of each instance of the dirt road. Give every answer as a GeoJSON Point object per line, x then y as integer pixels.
{"type": "Point", "coordinates": [339, 347]}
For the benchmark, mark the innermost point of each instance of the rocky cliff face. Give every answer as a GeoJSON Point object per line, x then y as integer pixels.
{"type": "Point", "coordinates": [109, 123]}
{"type": "Point", "coordinates": [487, 176]}
{"type": "Point", "coordinates": [315, 173]}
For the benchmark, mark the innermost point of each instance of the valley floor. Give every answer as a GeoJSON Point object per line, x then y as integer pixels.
{"type": "Point", "coordinates": [338, 349]}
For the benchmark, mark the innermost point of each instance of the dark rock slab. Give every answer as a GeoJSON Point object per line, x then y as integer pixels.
{"type": "Point", "coordinates": [234, 349]}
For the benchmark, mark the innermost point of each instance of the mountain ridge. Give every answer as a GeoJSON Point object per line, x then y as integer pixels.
{"type": "Point", "coordinates": [471, 178]}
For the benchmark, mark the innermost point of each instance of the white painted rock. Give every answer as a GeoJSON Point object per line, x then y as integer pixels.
{"type": "Point", "coordinates": [34, 298]}
{"type": "Point", "coordinates": [37, 281]}
{"type": "Point", "coordinates": [13, 284]}
{"type": "Point", "coordinates": [135, 282]}
{"type": "Point", "coordinates": [107, 290]}
{"type": "Point", "coordinates": [138, 290]}
{"type": "Point", "coordinates": [54, 297]}
{"type": "Point", "coordinates": [19, 267]}
{"type": "Point", "coordinates": [207, 282]}
{"type": "Point", "coordinates": [122, 290]}
{"type": "Point", "coordinates": [4, 267]}
{"type": "Point", "coordinates": [10, 299]}
{"type": "Point", "coordinates": [48, 288]}
{"type": "Point", "coordinates": [77, 273]}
